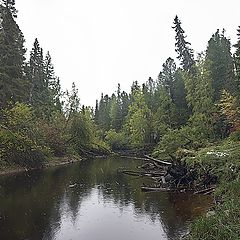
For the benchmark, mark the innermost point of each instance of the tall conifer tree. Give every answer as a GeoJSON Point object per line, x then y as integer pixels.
{"type": "Point", "coordinates": [12, 57]}
{"type": "Point", "coordinates": [185, 53]}
{"type": "Point", "coordinates": [221, 64]}
{"type": "Point", "coordinates": [166, 77]}
{"type": "Point", "coordinates": [36, 76]}
{"type": "Point", "coordinates": [237, 63]}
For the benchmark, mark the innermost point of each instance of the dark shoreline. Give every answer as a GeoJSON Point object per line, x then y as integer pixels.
{"type": "Point", "coordinates": [54, 162]}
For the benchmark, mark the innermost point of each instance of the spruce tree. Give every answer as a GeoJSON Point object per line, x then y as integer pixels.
{"type": "Point", "coordinates": [9, 5]}
{"type": "Point", "coordinates": [165, 116]}
{"type": "Point", "coordinates": [185, 53]}
{"type": "Point", "coordinates": [13, 84]}
{"type": "Point", "coordinates": [104, 120]}
{"type": "Point", "coordinates": [200, 99]}
{"type": "Point", "coordinates": [36, 76]}
{"type": "Point", "coordinates": [52, 83]}
{"type": "Point", "coordinates": [237, 64]}
{"type": "Point", "coordinates": [125, 105]}
{"type": "Point", "coordinates": [148, 89]}
{"type": "Point", "coordinates": [220, 59]}
{"type": "Point", "coordinates": [166, 77]}
{"type": "Point", "coordinates": [116, 110]}
{"type": "Point", "coordinates": [72, 103]}
{"type": "Point", "coordinates": [96, 112]}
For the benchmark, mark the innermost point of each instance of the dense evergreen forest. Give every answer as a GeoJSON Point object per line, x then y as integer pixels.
{"type": "Point", "coordinates": [190, 112]}
{"type": "Point", "coordinates": [196, 103]}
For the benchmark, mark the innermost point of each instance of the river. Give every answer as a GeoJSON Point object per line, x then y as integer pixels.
{"type": "Point", "coordinates": [91, 200]}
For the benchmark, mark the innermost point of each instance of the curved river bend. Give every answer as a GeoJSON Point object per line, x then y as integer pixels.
{"type": "Point", "coordinates": [90, 200]}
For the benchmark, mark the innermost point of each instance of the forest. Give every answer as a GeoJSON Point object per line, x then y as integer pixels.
{"type": "Point", "coordinates": [189, 115]}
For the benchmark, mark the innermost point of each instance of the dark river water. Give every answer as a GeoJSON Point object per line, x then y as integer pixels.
{"type": "Point", "coordinates": [91, 200]}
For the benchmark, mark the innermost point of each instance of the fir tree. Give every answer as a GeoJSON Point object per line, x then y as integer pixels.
{"type": "Point", "coordinates": [165, 116]}
{"type": "Point", "coordinates": [221, 64]}
{"type": "Point", "coordinates": [9, 5]}
{"type": "Point", "coordinates": [12, 59]}
{"type": "Point", "coordinates": [116, 110]}
{"type": "Point", "coordinates": [148, 90]}
{"type": "Point", "coordinates": [36, 76]}
{"type": "Point", "coordinates": [96, 112]}
{"type": "Point", "coordinates": [52, 84]}
{"type": "Point", "coordinates": [104, 120]}
{"type": "Point", "coordinates": [166, 77]}
{"type": "Point", "coordinates": [237, 63]}
{"type": "Point", "coordinates": [200, 98]}
{"type": "Point", "coordinates": [125, 105]}
{"type": "Point", "coordinates": [185, 53]}
{"type": "Point", "coordinates": [72, 103]}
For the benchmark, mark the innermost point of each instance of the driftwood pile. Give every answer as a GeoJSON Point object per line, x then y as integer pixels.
{"type": "Point", "coordinates": [171, 176]}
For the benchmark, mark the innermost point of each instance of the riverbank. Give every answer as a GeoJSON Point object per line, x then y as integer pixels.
{"type": "Point", "coordinates": [9, 169]}
{"type": "Point", "coordinates": [223, 221]}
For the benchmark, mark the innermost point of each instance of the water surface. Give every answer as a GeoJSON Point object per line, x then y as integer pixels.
{"type": "Point", "coordinates": [91, 200]}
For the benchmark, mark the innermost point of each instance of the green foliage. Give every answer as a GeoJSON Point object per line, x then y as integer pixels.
{"type": "Point", "coordinates": [224, 224]}
{"type": "Point", "coordinates": [35, 75]}
{"type": "Point", "coordinates": [9, 5]}
{"type": "Point", "coordinates": [138, 121]}
{"type": "Point", "coordinates": [72, 102]}
{"type": "Point", "coordinates": [199, 87]}
{"type": "Point", "coordinates": [221, 64]}
{"type": "Point", "coordinates": [166, 77]}
{"type": "Point", "coordinates": [189, 137]}
{"type": "Point", "coordinates": [52, 134]}
{"type": "Point", "coordinates": [222, 161]}
{"type": "Point", "coordinates": [237, 64]}
{"type": "Point", "coordinates": [116, 140]}
{"type": "Point", "coordinates": [179, 99]}
{"type": "Point", "coordinates": [235, 136]}
{"type": "Point", "coordinates": [229, 109]}
{"type": "Point", "coordinates": [82, 130]}
{"type": "Point", "coordinates": [19, 140]}
{"type": "Point", "coordinates": [103, 118]}
{"type": "Point", "coordinates": [185, 53]}
{"type": "Point", "coordinates": [12, 57]}
{"type": "Point", "coordinates": [165, 116]}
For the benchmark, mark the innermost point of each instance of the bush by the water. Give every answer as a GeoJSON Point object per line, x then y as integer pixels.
{"type": "Point", "coordinates": [222, 161]}
{"type": "Point", "coordinates": [116, 140]}
{"type": "Point", "coordinates": [20, 141]}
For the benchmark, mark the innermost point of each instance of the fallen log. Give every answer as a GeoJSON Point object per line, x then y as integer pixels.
{"type": "Point", "coordinates": [158, 161]}
{"type": "Point", "coordinates": [144, 173]}
{"type": "Point", "coordinates": [132, 173]}
{"type": "Point", "coordinates": [209, 192]}
{"type": "Point", "coordinates": [133, 157]}
{"type": "Point", "coordinates": [162, 189]}
{"type": "Point", "coordinates": [155, 189]}
{"type": "Point", "coordinates": [205, 191]}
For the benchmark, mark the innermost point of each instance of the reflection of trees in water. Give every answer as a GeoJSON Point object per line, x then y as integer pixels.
{"type": "Point", "coordinates": [32, 205]}
{"type": "Point", "coordinates": [174, 211]}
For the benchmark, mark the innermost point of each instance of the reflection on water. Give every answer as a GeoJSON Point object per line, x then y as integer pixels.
{"type": "Point", "coordinates": [92, 201]}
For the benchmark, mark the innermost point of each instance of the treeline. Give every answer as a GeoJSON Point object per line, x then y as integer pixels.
{"type": "Point", "coordinates": [194, 104]}
{"type": "Point", "coordinates": [37, 119]}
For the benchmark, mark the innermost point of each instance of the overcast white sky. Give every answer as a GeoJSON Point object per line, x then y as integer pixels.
{"type": "Point", "coordinates": [99, 43]}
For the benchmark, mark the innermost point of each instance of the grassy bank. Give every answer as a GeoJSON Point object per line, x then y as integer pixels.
{"type": "Point", "coordinates": [223, 222]}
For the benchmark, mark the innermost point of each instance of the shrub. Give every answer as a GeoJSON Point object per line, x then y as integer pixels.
{"type": "Point", "coordinates": [19, 138]}
{"type": "Point", "coordinates": [116, 140]}
{"type": "Point", "coordinates": [53, 134]}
